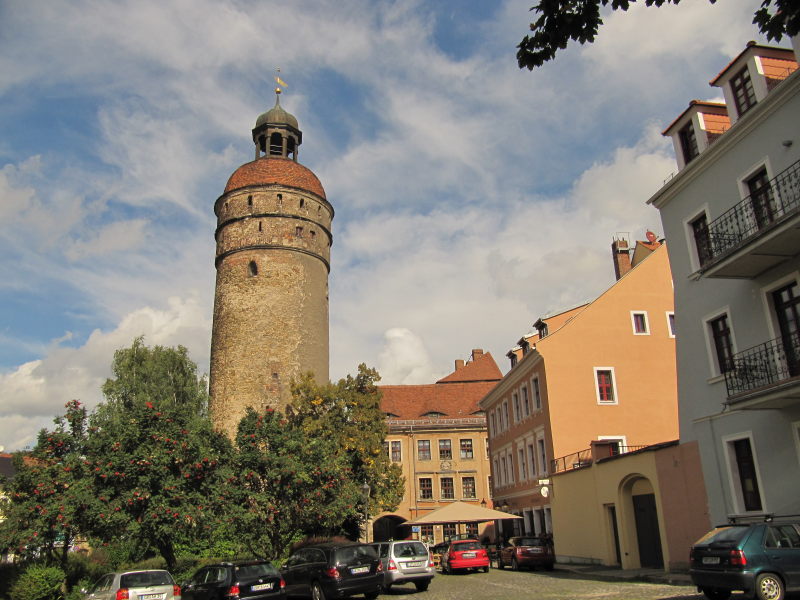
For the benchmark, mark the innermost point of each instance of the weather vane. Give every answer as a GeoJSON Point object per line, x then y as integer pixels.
{"type": "Point", "coordinates": [279, 81]}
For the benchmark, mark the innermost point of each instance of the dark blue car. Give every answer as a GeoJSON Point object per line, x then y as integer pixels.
{"type": "Point", "coordinates": [761, 559]}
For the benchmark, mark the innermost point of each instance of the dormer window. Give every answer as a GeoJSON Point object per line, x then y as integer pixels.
{"type": "Point", "coordinates": [744, 97]}
{"type": "Point", "coordinates": [513, 358]}
{"type": "Point", "coordinates": [688, 142]}
{"type": "Point", "coordinates": [433, 414]}
{"type": "Point", "coordinates": [543, 330]}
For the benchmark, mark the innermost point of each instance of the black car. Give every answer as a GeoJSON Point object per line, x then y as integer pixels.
{"type": "Point", "coordinates": [333, 570]}
{"type": "Point", "coordinates": [245, 580]}
{"type": "Point", "coordinates": [762, 559]}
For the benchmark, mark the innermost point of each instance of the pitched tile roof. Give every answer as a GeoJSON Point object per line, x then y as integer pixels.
{"type": "Point", "coordinates": [278, 170]}
{"type": "Point", "coordinates": [482, 367]}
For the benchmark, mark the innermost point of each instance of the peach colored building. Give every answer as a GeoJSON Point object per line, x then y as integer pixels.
{"type": "Point", "coordinates": [437, 433]}
{"type": "Point", "coordinates": [602, 374]}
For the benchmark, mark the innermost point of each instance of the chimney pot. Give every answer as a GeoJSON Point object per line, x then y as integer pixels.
{"type": "Point", "coordinates": [459, 363]}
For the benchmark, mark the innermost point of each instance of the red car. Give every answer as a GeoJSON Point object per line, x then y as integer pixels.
{"type": "Point", "coordinates": [527, 551]}
{"type": "Point", "coordinates": [465, 554]}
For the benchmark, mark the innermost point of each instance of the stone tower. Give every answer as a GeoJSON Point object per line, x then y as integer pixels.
{"type": "Point", "coordinates": [273, 258]}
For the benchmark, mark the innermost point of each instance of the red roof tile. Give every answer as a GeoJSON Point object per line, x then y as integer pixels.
{"type": "Point", "coordinates": [454, 400]}
{"type": "Point", "coordinates": [283, 171]}
{"type": "Point", "coordinates": [480, 368]}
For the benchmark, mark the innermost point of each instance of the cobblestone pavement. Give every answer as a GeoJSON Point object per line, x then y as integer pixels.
{"type": "Point", "coordinates": [539, 585]}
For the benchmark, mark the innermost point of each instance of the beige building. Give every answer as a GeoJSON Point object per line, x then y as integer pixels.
{"type": "Point", "coordinates": [596, 378]}
{"type": "Point", "coordinates": [437, 433]}
{"type": "Point", "coordinates": [273, 257]}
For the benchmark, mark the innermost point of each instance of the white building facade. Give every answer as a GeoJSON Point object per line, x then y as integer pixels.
{"type": "Point", "coordinates": [731, 216]}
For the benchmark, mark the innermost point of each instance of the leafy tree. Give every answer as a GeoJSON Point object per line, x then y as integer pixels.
{"type": "Point", "coordinates": [46, 501]}
{"type": "Point", "coordinates": [560, 21]}
{"type": "Point", "coordinates": [156, 465]}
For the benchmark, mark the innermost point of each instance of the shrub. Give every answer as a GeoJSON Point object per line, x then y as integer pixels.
{"type": "Point", "coordinates": [39, 583]}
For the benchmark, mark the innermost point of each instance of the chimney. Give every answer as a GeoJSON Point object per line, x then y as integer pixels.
{"type": "Point", "coordinates": [621, 256]}
{"type": "Point", "coordinates": [476, 354]}
{"type": "Point", "coordinates": [459, 363]}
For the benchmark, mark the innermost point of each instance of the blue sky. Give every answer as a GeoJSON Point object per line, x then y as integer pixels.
{"type": "Point", "coordinates": [471, 197]}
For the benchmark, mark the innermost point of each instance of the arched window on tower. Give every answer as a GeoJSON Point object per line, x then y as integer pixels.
{"type": "Point", "coordinates": [290, 147]}
{"type": "Point", "coordinates": [262, 144]}
{"type": "Point", "coordinates": [252, 268]}
{"type": "Point", "coordinates": [249, 201]}
{"type": "Point", "coordinates": [275, 144]}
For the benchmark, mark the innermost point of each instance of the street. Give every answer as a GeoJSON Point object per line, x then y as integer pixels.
{"type": "Point", "coordinates": [556, 585]}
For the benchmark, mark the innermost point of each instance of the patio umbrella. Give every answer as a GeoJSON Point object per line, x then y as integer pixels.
{"type": "Point", "coordinates": [461, 512]}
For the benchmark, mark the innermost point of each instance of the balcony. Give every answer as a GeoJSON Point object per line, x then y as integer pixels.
{"type": "Point", "coordinates": [766, 376]}
{"type": "Point", "coordinates": [761, 231]}
{"type": "Point", "coordinates": [586, 458]}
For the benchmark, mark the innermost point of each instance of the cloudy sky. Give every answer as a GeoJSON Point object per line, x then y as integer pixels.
{"type": "Point", "coordinates": [471, 197]}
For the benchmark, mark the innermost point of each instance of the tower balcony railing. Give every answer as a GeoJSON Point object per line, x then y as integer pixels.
{"type": "Point", "coordinates": [743, 224]}
{"type": "Point", "coordinates": [763, 367]}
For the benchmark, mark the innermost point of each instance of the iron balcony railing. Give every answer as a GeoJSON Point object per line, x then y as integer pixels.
{"type": "Point", "coordinates": [583, 458]}
{"type": "Point", "coordinates": [756, 212]}
{"type": "Point", "coordinates": [767, 364]}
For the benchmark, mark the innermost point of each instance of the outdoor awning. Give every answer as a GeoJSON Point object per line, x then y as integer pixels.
{"type": "Point", "coordinates": [461, 512]}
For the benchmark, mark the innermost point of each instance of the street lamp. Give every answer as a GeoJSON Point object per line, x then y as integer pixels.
{"type": "Point", "coordinates": [365, 495]}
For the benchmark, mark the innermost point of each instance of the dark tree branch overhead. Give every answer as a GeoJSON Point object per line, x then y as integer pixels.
{"type": "Point", "coordinates": [560, 21]}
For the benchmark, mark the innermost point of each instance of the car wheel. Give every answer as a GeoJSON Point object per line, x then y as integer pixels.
{"type": "Point", "coordinates": [514, 564]}
{"type": "Point", "coordinates": [548, 567]}
{"type": "Point", "coordinates": [371, 595]}
{"type": "Point", "coordinates": [316, 592]}
{"type": "Point", "coordinates": [769, 587]}
{"type": "Point", "coordinates": [387, 587]}
{"type": "Point", "coordinates": [716, 593]}
{"type": "Point", "coordinates": [486, 569]}
{"type": "Point", "coordinates": [422, 585]}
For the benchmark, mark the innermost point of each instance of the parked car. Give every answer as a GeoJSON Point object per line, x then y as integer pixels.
{"type": "Point", "coordinates": [245, 580]}
{"type": "Point", "coordinates": [465, 554]}
{"type": "Point", "coordinates": [526, 551]}
{"type": "Point", "coordinates": [405, 562]}
{"type": "Point", "coordinates": [333, 570]}
{"type": "Point", "coordinates": [762, 559]}
{"type": "Point", "coordinates": [134, 585]}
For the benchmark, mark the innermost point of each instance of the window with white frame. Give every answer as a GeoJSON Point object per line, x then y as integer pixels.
{"type": "Point", "coordinates": [497, 472]}
{"type": "Point", "coordinates": [517, 411]}
{"type": "Point", "coordinates": [503, 470]}
{"type": "Point", "coordinates": [466, 448]}
{"type": "Point", "coordinates": [532, 458]}
{"type": "Point", "coordinates": [522, 464]}
{"type": "Point", "coordinates": [425, 488]}
{"type": "Point", "coordinates": [397, 455]}
{"type": "Point", "coordinates": [468, 487]}
{"type": "Point", "coordinates": [639, 322]}
{"type": "Point", "coordinates": [506, 419]}
{"type": "Point", "coordinates": [671, 323]}
{"type": "Point", "coordinates": [526, 403]}
{"type": "Point", "coordinates": [542, 456]}
{"type": "Point", "coordinates": [605, 386]}
{"type": "Point", "coordinates": [492, 425]}
{"type": "Point", "coordinates": [721, 338]}
{"type": "Point", "coordinates": [743, 472]}
{"type": "Point", "coordinates": [537, 394]}
{"type": "Point", "coordinates": [447, 488]}
{"type": "Point", "coordinates": [510, 467]}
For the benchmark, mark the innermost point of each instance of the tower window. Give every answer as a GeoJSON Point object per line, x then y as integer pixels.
{"type": "Point", "coordinates": [298, 231]}
{"type": "Point", "coordinates": [249, 201]}
{"type": "Point", "coordinates": [276, 144]}
{"type": "Point", "coordinates": [302, 202]}
{"type": "Point", "coordinates": [252, 268]}
{"type": "Point", "coordinates": [313, 234]}
{"type": "Point", "coordinates": [259, 226]}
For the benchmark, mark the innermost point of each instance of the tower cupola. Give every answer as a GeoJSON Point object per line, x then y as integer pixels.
{"type": "Point", "coordinates": [276, 133]}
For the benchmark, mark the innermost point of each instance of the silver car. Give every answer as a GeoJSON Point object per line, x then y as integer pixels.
{"type": "Point", "coordinates": [134, 585]}
{"type": "Point", "coordinates": [405, 561]}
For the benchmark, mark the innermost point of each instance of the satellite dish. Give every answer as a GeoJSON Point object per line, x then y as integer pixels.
{"type": "Point", "coordinates": [545, 491]}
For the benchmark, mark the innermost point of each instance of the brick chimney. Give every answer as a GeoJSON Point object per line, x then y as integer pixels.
{"type": "Point", "coordinates": [476, 354]}
{"type": "Point", "coordinates": [620, 253]}
{"type": "Point", "coordinates": [459, 363]}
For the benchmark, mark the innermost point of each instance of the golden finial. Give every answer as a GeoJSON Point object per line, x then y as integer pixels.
{"type": "Point", "coordinates": [279, 81]}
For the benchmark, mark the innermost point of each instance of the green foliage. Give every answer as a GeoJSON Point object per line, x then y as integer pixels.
{"type": "Point", "coordinates": [39, 583]}
{"type": "Point", "coordinates": [48, 499]}
{"type": "Point", "coordinates": [155, 463]}
{"type": "Point", "coordinates": [560, 21]}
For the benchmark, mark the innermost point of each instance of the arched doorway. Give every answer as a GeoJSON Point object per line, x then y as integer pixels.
{"type": "Point", "coordinates": [641, 516]}
{"type": "Point", "coordinates": [390, 527]}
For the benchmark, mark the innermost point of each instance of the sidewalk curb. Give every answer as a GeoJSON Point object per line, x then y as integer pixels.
{"type": "Point", "coordinates": [605, 574]}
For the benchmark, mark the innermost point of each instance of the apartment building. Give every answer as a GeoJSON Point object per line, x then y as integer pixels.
{"type": "Point", "coordinates": [732, 215]}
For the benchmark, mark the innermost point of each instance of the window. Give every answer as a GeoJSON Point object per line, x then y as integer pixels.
{"type": "Point", "coordinates": [386, 448]}
{"type": "Point", "coordinates": [468, 487]}
{"type": "Point", "coordinates": [542, 457]}
{"type": "Point", "coordinates": [503, 471]}
{"type": "Point", "coordinates": [506, 420]}
{"type": "Point", "coordinates": [688, 143]}
{"type": "Point", "coordinates": [510, 469]}
{"type": "Point", "coordinates": [537, 395]}
{"type": "Point", "coordinates": [702, 241]}
{"type": "Point", "coordinates": [744, 473]}
{"type": "Point", "coordinates": [492, 425]}
{"type": "Point", "coordinates": [671, 324]}
{"type": "Point", "coordinates": [517, 411]}
{"type": "Point", "coordinates": [526, 403]}
{"type": "Point", "coordinates": [532, 459]}
{"type": "Point", "coordinates": [723, 343]}
{"type": "Point", "coordinates": [787, 311]}
{"type": "Point", "coordinates": [298, 231]}
{"type": "Point", "coordinates": [761, 198]}
{"type": "Point", "coordinates": [252, 268]}
{"type": "Point", "coordinates": [606, 392]}
{"type": "Point", "coordinates": [445, 450]}
{"type": "Point", "coordinates": [396, 451]}
{"type": "Point", "coordinates": [466, 449]}
{"type": "Point", "coordinates": [639, 321]}
{"type": "Point", "coordinates": [423, 449]}
{"type": "Point", "coordinates": [449, 530]}
{"type": "Point", "coordinates": [743, 95]}
{"type": "Point", "coordinates": [426, 532]}
{"type": "Point", "coordinates": [448, 493]}
{"type": "Point", "coordinates": [472, 530]}
{"type": "Point", "coordinates": [425, 488]}
{"type": "Point", "coordinates": [522, 464]}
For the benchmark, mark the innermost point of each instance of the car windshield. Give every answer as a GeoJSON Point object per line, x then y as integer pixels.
{"type": "Point", "coordinates": [530, 541]}
{"type": "Point", "coordinates": [410, 549]}
{"type": "Point", "coordinates": [462, 546]}
{"type": "Point", "coordinates": [723, 536]}
{"type": "Point", "coordinates": [355, 554]}
{"type": "Point", "coordinates": [144, 579]}
{"type": "Point", "coordinates": [256, 570]}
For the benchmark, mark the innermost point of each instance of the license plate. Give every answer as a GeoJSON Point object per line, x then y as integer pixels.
{"type": "Point", "coordinates": [711, 560]}
{"type": "Point", "coordinates": [261, 586]}
{"type": "Point", "coordinates": [152, 596]}
{"type": "Point", "coordinates": [359, 570]}
{"type": "Point", "coordinates": [467, 555]}
{"type": "Point", "coordinates": [536, 550]}
{"type": "Point", "coordinates": [417, 563]}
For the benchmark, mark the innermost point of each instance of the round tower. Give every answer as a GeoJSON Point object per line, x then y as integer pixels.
{"type": "Point", "coordinates": [273, 258]}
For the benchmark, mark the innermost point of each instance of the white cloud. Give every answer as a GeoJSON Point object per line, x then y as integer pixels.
{"type": "Point", "coordinates": [404, 358]}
